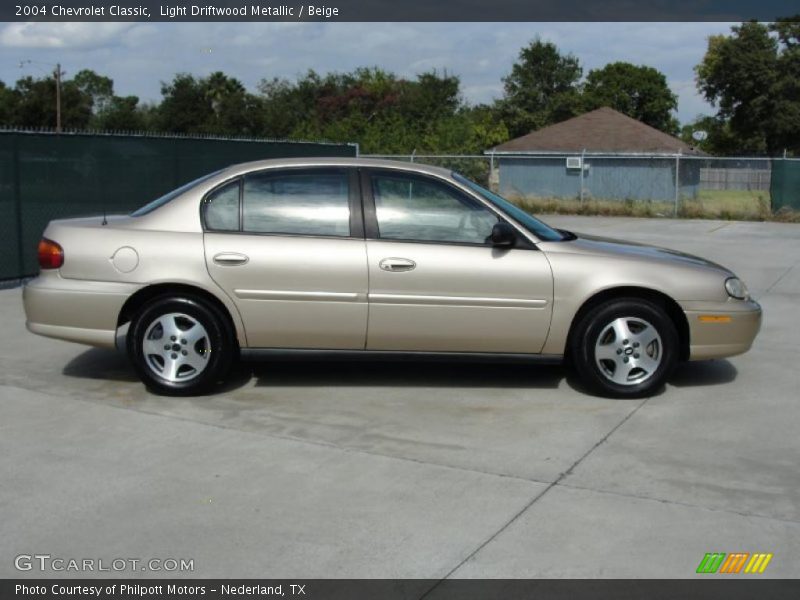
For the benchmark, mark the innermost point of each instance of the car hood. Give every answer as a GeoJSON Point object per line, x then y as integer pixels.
{"type": "Point", "coordinates": [590, 244]}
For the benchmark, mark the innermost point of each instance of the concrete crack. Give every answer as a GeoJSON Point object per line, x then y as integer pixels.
{"type": "Point", "coordinates": [535, 499]}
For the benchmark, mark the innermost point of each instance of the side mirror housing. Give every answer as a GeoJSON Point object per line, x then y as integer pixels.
{"type": "Point", "coordinates": [503, 235]}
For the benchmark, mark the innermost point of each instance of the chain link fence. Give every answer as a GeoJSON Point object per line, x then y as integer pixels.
{"type": "Point", "coordinates": [641, 185]}
{"type": "Point", "coordinates": [46, 176]}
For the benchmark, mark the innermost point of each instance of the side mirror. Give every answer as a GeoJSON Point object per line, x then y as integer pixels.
{"type": "Point", "coordinates": [503, 235]}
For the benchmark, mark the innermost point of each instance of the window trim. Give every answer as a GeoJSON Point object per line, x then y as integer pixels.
{"type": "Point", "coordinates": [354, 203]}
{"type": "Point", "coordinates": [372, 231]}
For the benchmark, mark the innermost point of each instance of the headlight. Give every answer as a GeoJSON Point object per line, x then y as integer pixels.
{"type": "Point", "coordinates": [736, 288]}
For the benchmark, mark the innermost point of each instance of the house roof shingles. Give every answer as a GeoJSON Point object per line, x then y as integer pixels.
{"type": "Point", "coordinates": [601, 130]}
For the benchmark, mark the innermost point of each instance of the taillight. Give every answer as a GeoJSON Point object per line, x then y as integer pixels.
{"type": "Point", "coordinates": [51, 255]}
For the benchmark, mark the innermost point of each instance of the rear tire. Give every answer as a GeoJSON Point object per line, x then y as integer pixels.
{"type": "Point", "coordinates": [625, 348]}
{"type": "Point", "coordinates": [180, 345]}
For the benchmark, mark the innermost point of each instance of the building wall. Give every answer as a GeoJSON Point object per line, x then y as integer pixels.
{"type": "Point", "coordinates": [607, 178]}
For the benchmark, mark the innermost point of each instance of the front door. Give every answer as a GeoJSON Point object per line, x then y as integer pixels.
{"type": "Point", "coordinates": [286, 246]}
{"type": "Point", "coordinates": [435, 281]}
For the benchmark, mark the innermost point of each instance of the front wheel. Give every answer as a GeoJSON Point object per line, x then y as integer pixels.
{"type": "Point", "coordinates": [625, 348]}
{"type": "Point", "coordinates": [180, 346]}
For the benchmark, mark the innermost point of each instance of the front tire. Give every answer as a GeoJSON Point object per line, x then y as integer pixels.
{"type": "Point", "coordinates": [625, 348]}
{"type": "Point", "coordinates": [180, 346]}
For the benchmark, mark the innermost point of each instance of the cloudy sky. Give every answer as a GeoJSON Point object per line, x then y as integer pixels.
{"type": "Point", "coordinates": [138, 56]}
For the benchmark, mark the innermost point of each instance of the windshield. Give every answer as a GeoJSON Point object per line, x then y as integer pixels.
{"type": "Point", "coordinates": [540, 230]}
{"type": "Point", "coordinates": [168, 197]}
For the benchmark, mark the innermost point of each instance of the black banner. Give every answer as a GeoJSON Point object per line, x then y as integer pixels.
{"type": "Point", "coordinates": [397, 10]}
{"type": "Point", "coordinates": [729, 588]}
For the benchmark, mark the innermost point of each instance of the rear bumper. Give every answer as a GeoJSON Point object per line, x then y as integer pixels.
{"type": "Point", "coordinates": [75, 310]}
{"type": "Point", "coordinates": [723, 329]}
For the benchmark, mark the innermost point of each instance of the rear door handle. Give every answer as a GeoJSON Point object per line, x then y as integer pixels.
{"type": "Point", "coordinates": [230, 259]}
{"type": "Point", "coordinates": [397, 265]}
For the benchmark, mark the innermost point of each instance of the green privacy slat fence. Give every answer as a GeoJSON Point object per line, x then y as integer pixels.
{"type": "Point", "coordinates": [785, 184]}
{"type": "Point", "coordinates": [45, 176]}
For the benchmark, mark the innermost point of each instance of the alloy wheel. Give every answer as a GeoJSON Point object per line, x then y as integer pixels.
{"type": "Point", "coordinates": [176, 347]}
{"type": "Point", "coordinates": [628, 351]}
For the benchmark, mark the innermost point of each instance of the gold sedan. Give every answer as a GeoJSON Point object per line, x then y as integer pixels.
{"type": "Point", "coordinates": [352, 258]}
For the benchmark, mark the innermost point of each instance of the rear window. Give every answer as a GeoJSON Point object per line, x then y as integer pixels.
{"type": "Point", "coordinates": [168, 197]}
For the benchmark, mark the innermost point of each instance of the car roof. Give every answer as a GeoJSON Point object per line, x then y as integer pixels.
{"type": "Point", "coordinates": [335, 161]}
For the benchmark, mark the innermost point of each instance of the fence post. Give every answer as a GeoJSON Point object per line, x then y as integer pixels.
{"type": "Point", "coordinates": [677, 182]}
{"type": "Point", "coordinates": [493, 176]}
{"type": "Point", "coordinates": [583, 170]}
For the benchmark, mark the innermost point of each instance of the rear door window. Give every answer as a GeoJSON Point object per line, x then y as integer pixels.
{"type": "Point", "coordinates": [298, 202]}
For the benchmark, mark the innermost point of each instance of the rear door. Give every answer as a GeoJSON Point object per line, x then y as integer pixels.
{"type": "Point", "coordinates": [287, 246]}
{"type": "Point", "coordinates": [435, 281]}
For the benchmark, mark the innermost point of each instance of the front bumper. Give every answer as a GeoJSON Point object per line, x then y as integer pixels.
{"type": "Point", "coordinates": [717, 330]}
{"type": "Point", "coordinates": [75, 310]}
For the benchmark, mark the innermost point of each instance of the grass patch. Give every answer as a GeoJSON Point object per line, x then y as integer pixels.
{"type": "Point", "coordinates": [739, 205]}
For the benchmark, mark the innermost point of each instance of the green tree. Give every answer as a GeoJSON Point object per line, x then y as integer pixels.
{"type": "Point", "coordinates": [640, 92]}
{"type": "Point", "coordinates": [184, 107]}
{"type": "Point", "coordinates": [783, 129]}
{"type": "Point", "coordinates": [382, 112]}
{"type": "Point", "coordinates": [541, 89]}
{"type": "Point", "coordinates": [87, 102]}
{"type": "Point", "coordinates": [720, 139]}
{"type": "Point", "coordinates": [753, 78]}
{"type": "Point", "coordinates": [8, 105]}
{"type": "Point", "coordinates": [120, 113]}
{"type": "Point", "coordinates": [36, 104]}
{"type": "Point", "coordinates": [788, 31]}
{"type": "Point", "coordinates": [216, 104]}
{"type": "Point", "coordinates": [286, 104]}
{"type": "Point", "coordinates": [97, 89]}
{"type": "Point", "coordinates": [109, 111]}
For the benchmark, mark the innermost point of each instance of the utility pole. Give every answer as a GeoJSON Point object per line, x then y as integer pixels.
{"type": "Point", "coordinates": [57, 74]}
{"type": "Point", "coordinates": [58, 97]}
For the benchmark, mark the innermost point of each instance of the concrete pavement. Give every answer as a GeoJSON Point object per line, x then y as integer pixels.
{"type": "Point", "coordinates": [415, 470]}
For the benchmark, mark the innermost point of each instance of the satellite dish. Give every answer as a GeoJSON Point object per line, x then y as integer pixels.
{"type": "Point", "coordinates": [699, 135]}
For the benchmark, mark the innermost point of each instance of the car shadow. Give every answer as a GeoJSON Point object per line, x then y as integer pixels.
{"type": "Point", "coordinates": [703, 373]}
{"type": "Point", "coordinates": [405, 373]}
{"type": "Point", "coordinates": [101, 363]}
{"type": "Point", "coordinates": [113, 365]}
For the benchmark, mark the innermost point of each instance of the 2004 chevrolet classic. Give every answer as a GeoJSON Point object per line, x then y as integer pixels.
{"type": "Point", "coordinates": [353, 257]}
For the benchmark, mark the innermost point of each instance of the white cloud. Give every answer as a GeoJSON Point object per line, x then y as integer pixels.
{"type": "Point", "coordinates": [61, 35]}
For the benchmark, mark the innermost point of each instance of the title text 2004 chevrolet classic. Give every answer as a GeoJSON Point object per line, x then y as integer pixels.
{"type": "Point", "coordinates": [360, 257]}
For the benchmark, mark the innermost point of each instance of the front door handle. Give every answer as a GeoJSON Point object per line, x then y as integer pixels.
{"type": "Point", "coordinates": [397, 265]}
{"type": "Point", "coordinates": [230, 259]}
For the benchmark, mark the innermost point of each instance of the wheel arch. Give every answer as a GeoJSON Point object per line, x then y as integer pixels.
{"type": "Point", "coordinates": [670, 306]}
{"type": "Point", "coordinates": [144, 295]}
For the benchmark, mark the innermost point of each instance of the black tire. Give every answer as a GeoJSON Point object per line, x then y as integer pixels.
{"type": "Point", "coordinates": [218, 347]}
{"type": "Point", "coordinates": [599, 322]}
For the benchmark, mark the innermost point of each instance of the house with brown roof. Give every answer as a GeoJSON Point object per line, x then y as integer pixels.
{"type": "Point", "coordinates": [600, 154]}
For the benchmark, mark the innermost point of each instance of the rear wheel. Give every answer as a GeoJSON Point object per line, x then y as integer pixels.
{"type": "Point", "coordinates": [180, 345]}
{"type": "Point", "coordinates": [625, 348]}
